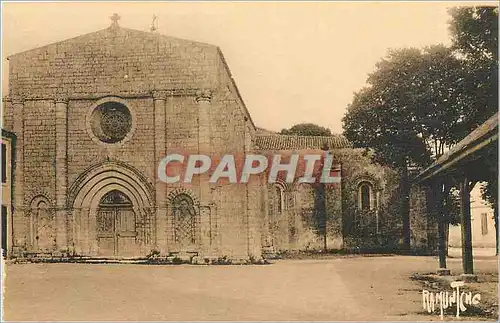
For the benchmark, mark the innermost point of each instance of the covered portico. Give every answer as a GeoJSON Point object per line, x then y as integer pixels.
{"type": "Point", "coordinates": [474, 159]}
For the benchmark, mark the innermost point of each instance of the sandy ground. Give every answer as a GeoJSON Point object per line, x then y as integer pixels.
{"type": "Point", "coordinates": [340, 288]}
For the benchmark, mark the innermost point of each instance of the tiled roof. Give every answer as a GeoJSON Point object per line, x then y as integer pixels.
{"type": "Point", "coordinates": [463, 148]}
{"type": "Point", "coordinates": [286, 142]}
{"type": "Point", "coordinates": [262, 131]}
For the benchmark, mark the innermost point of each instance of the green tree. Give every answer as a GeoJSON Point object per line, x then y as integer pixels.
{"type": "Point", "coordinates": [418, 103]}
{"type": "Point", "coordinates": [409, 113]}
{"type": "Point", "coordinates": [306, 129]}
{"type": "Point", "coordinates": [474, 33]}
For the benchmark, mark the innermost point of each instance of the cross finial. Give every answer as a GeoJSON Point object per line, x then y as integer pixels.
{"type": "Point", "coordinates": [153, 25]}
{"type": "Point", "coordinates": [114, 18]}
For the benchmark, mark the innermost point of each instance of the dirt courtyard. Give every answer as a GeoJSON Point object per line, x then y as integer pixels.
{"type": "Point", "coordinates": [332, 289]}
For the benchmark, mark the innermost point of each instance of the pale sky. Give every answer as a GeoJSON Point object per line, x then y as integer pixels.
{"type": "Point", "coordinates": [293, 62]}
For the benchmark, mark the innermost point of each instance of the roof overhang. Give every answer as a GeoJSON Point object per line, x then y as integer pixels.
{"type": "Point", "coordinates": [469, 148]}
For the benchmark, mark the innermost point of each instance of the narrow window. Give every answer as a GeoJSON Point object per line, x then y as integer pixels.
{"type": "Point", "coordinates": [365, 196]}
{"type": "Point", "coordinates": [279, 199]}
{"type": "Point", "coordinates": [484, 224]}
{"type": "Point", "coordinates": [4, 163]}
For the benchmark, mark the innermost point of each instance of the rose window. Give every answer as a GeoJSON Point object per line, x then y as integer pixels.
{"type": "Point", "coordinates": [111, 122]}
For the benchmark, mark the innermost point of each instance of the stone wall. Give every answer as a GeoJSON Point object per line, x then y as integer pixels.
{"type": "Point", "coordinates": [293, 221]}
{"type": "Point", "coordinates": [424, 228]}
{"type": "Point", "coordinates": [291, 213]}
{"type": "Point", "coordinates": [182, 98]}
{"type": "Point", "coordinates": [85, 150]}
{"type": "Point", "coordinates": [184, 86]}
{"type": "Point", "coordinates": [380, 226]}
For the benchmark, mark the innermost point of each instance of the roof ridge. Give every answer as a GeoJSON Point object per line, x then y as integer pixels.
{"type": "Point", "coordinates": [56, 43]}
{"type": "Point", "coordinates": [166, 37]}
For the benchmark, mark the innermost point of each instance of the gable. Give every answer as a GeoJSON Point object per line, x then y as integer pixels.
{"type": "Point", "coordinates": [113, 61]}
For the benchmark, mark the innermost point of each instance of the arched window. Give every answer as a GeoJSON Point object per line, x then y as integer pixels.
{"type": "Point", "coordinates": [280, 199]}
{"type": "Point", "coordinates": [276, 200]}
{"type": "Point", "coordinates": [184, 215]}
{"type": "Point", "coordinates": [365, 192]}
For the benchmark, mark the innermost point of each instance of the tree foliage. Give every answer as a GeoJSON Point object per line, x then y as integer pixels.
{"type": "Point", "coordinates": [306, 129]}
{"type": "Point", "coordinates": [474, 32]}
{"type": "Point", "coordinates": [420, 102]}
{"type": "Point", "coordinates": [489, 192]}
{"type": "Point", "coordinates": [410, 112]}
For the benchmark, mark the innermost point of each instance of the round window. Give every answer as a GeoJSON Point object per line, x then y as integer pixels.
{"type": "Point", "coordinates": [111, 122]}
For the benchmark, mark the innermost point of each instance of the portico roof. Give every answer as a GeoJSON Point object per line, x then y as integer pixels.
{"type": "Point", "coordinates": [468, 148]}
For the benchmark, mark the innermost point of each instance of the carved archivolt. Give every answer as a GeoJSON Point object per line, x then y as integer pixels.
{"type": "Point", "coordinates": [115, 173]}
{"type": "Point", "coordinates": [372, 179]}
{"type": "Point", "coordinates": [36, 194]}
{"type": "Point", "coordinates": [179, 191]}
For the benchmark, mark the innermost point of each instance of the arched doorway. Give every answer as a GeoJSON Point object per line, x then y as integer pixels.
{"type": "Point", "coordinates": [116, 225]}
{"type": "Point", "coordinates": [42, 227]}
{"type": "Point", "coordinates": [91, 194]}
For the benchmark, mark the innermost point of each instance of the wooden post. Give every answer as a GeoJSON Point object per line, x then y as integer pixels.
{"type": "Point", "coordinates": [467, 260]}
{"type": "Point", "coordinates": [438, 200]}
{"type": "Point", "coordinates": [442, 242]}
{"type": "Point", "coordinates": [436, 212]}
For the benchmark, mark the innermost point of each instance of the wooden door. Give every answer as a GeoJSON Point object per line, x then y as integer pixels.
{"type": "Point", "coordinates": [116, 229]}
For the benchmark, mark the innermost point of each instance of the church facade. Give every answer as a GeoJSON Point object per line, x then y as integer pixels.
{"type": "Point", "coordinates": [95, 114]}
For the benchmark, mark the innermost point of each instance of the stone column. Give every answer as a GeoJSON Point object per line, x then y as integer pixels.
{"type": "Point", "coordinates": [61, 183]}
{"type": "Point", "coordinates": [160, 236]}
{"type": "Point", "coordinates": [18, 129]}
{"type": "Point", "coordinates": [204, 100]}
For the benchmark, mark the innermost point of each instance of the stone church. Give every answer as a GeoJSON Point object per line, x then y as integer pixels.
{"type": "Point", "coordinates": [94, 115]}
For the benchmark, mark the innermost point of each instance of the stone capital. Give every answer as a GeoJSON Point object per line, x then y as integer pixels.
{"type": "Point", "coordinates": [204, 95]}
{"type": "Point", "coordinates": [159, 94]}
{"type": "Point", "coordinates": [61, 99]}
{"type": "Point", "coordinates": [17, 99]}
